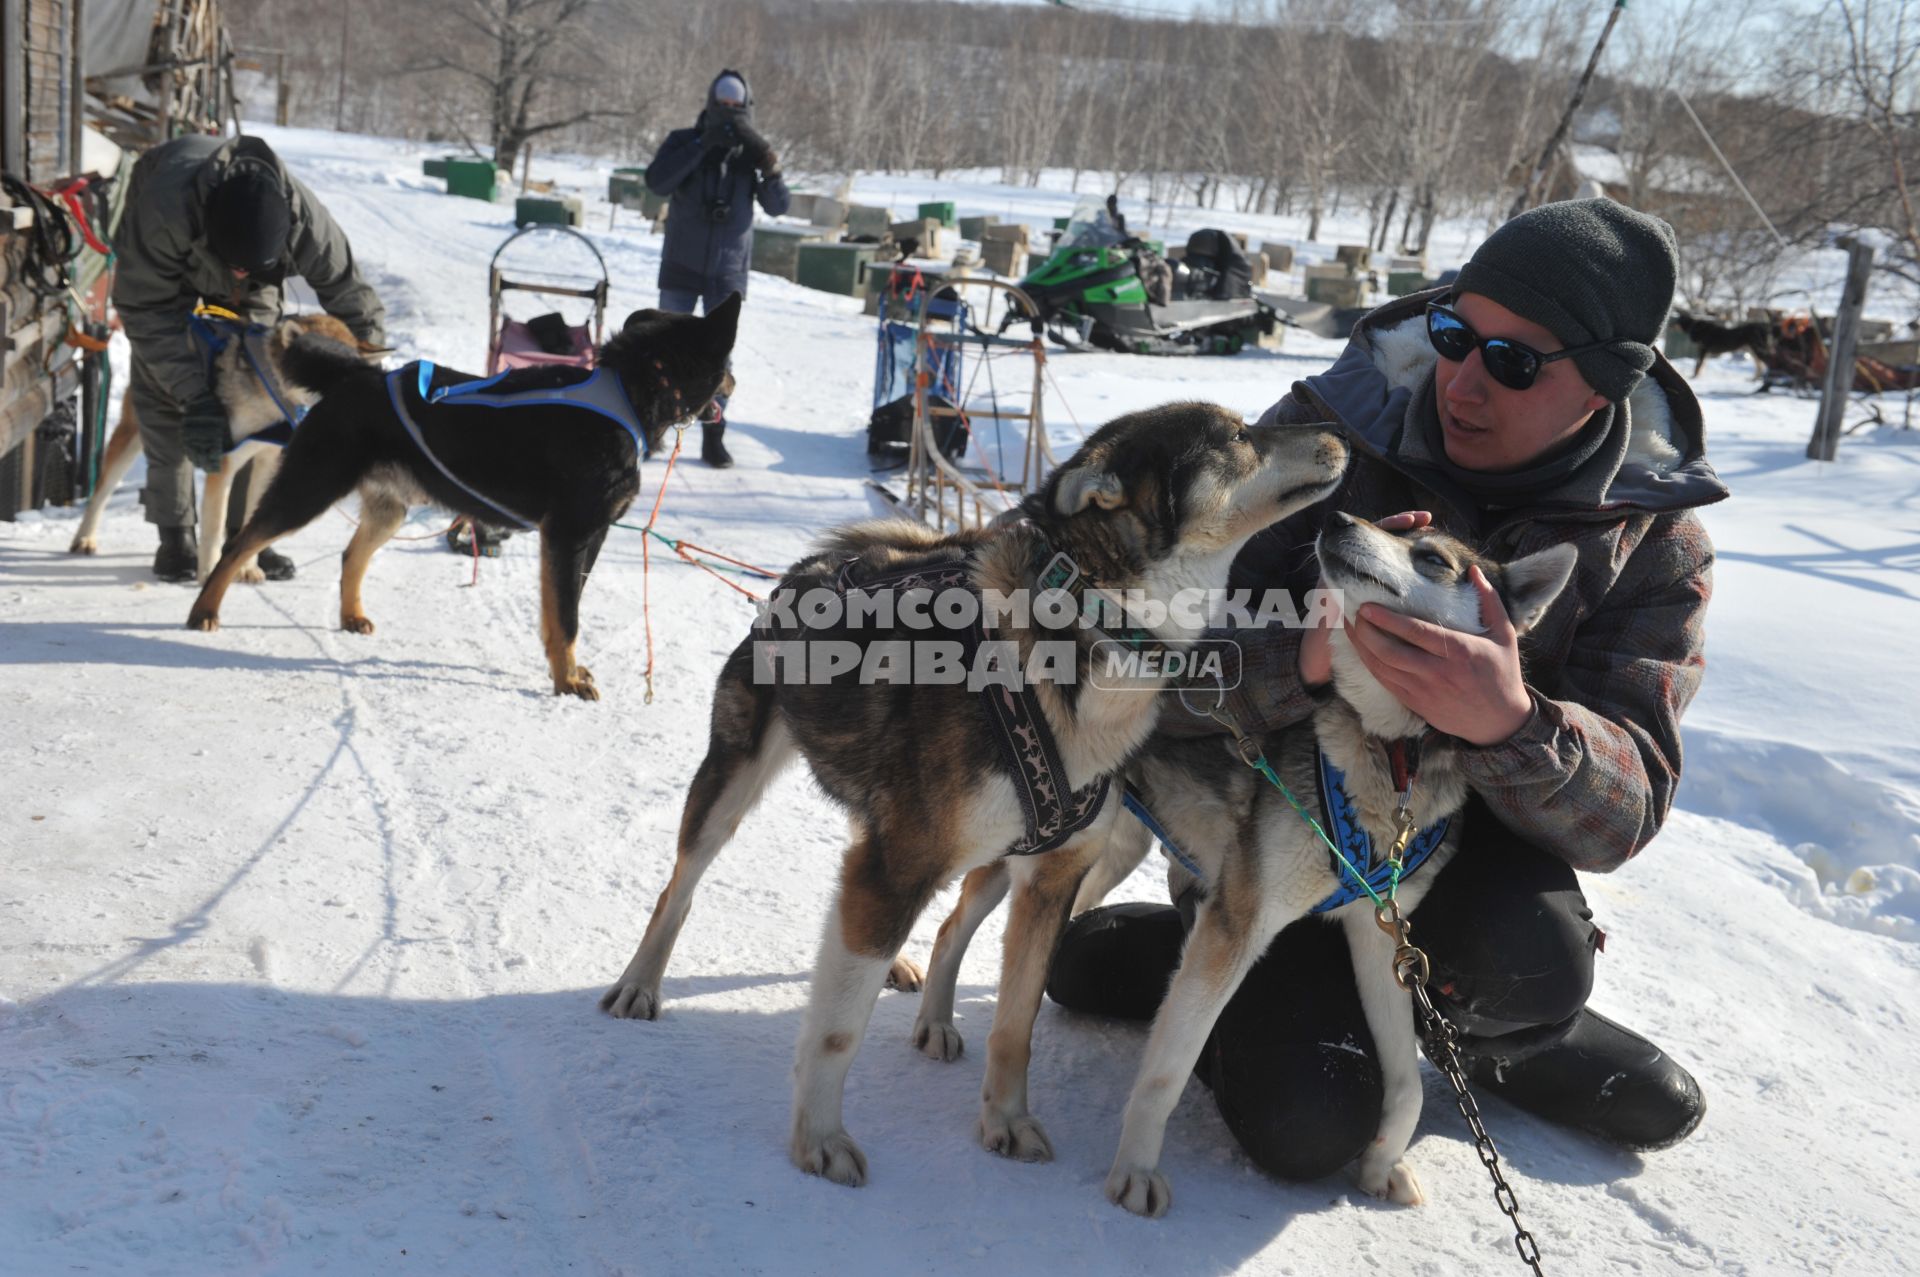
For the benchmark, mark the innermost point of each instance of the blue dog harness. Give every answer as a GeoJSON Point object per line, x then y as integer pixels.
{"type": "Point", "coordinates": [1344, 827]}
{"type": "Point", "coordinates": [602, 392]}
{"type": "Point", "coordinates": [214, 330]}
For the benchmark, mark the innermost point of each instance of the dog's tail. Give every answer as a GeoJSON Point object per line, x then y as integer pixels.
{"type": "Point", "coordinates": [319, 363]}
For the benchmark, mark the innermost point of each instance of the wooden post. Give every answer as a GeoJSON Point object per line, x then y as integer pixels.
{"type": "Point", "coordinates": [282, 92]}
{"type": "Point", "coordinates": [1838, 387]}
{"type": "Point", "coordinates": [526, 166]}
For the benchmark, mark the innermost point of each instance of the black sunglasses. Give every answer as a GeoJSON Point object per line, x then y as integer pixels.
{"type": "Point", "coordinates": [1508, 362]}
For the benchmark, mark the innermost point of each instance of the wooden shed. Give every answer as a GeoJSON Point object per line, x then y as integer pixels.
{"type": "Point", "coordinates": [74, 74]}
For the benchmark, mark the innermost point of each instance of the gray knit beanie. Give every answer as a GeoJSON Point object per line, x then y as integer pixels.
{"type": "Point", "coordinates": [1587, 271]}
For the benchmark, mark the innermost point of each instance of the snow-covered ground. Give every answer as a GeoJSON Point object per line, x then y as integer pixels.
{"type": "Point", "coordinates": [301, 932]}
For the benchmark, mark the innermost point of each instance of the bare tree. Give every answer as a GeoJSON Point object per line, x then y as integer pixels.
{"type": "Point", "coordinates": [515, 61]}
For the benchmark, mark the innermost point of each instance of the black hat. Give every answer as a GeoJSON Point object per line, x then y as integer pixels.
{"type": "Point", "coordinates": [1586, 271]}
{"type": "Point", "coordinates": [249, 222]}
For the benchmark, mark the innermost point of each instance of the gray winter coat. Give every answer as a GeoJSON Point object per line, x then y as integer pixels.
{"type": "Point", "coordinates": [703, 255]}
{"type": "Point", "coordinates": [166, 268]}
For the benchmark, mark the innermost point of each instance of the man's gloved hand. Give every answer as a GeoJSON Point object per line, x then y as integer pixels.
{"type": "Point", "coordinates": [718, 131]}
{"type": "Point", "coordinates": [756, 147]}
{"type": "Point", "coordinates": [204, 431]}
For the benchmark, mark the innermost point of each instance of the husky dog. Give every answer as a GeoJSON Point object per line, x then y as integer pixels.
{"type": "Point", "coordinates": [1156, 502]}
{"type": "Point", "coordinates": [1264, 868]}
{"type": "Point", "coordinates": [558, 448]}
{"type": "Point", "coordinates": [252, 407]}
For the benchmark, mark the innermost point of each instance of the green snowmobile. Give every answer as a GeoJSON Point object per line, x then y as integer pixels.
{"type": "Point", "coordinates": [1105, 288]}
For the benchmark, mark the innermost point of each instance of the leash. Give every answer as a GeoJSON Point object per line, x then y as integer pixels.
{"type": "Point", "coordinates": [1411, 967]}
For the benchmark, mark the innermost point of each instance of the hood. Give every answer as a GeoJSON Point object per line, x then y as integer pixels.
{"type": "Point", "coordinates": [744, 112]}
{"type": "Point", "coordinates": [1371, 387]}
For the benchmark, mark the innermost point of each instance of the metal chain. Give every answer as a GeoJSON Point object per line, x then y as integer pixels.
{"type": "Point", "coordinates": [1411, 969]}
{"type": "Point", "coordinates": [1437, 1034]}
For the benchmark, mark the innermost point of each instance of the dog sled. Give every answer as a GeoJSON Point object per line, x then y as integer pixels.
{"type": "Point", "coordinates": [944, 390]}
{"type": "Point", "coordinates": [1797, 361]}
{"type": "Point", "coordinates": [542, 341]}
{"type": "Point", "coordinates": [548, 339]}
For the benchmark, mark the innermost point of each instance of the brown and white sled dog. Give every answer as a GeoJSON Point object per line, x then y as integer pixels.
{"type": "Point", "coordinates": [1156, 502]}
{"type": "Point", "coordinates": [1263, 867]}
{"type": "Point", "coordinates": [250, 409]}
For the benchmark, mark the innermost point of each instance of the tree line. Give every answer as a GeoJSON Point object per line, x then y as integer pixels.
{"type": "Point", "coordinates": [1410, 110]}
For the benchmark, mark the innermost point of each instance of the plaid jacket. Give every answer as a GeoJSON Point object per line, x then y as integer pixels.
{"type": "Point", "coordinates": [1611, 667]}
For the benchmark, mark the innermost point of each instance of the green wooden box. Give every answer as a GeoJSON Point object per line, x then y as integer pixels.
{"type": "Point", "coordinates": [940, 210]}
{"type": "Point", "coordinates": [834, 268]}
{"type": "Point", "coordinates": [475, 179]}
{"type": "Point", "coordinates": [776, 249]}
{"type": "Point", "coordinates": [866, 219]}
{"type": "Point", "coordinates": [546, 210]}
{"type": "Point", "coordinates": [1402, 282]}
{"type": "Point", "coordinates": [436, 165]}
{"type": "Point", "coordinates": [1336, 292]}
{"type": "Point", "coordinates": [626, 187]}
{"type": "Point", "coordinates": [975, 228]}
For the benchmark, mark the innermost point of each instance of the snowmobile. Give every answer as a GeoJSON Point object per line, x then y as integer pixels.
{"type": "Point", "coordinates": [1106, 288]}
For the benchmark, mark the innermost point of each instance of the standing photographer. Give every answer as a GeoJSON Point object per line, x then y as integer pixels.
{"type": "Point", "coordinates": [714, 172]}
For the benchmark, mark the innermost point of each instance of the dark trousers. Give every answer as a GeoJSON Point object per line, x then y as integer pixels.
{"type": "Point", "coordinates": [1291, 1062]}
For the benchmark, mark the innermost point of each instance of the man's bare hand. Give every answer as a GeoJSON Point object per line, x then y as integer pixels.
{"type": "Point", "coordinates": [1316, 654]}
{"type": "Point", "coordinates": [1467, 685]}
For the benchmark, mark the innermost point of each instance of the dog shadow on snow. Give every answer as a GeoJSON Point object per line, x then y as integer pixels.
{"type": "Point", "coordinates": [614, 1134]}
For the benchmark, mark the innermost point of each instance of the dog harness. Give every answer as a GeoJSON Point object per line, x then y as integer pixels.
{"type": "Point", "coordinates": [215, 328]}
{"type": "Point", "coordinates": [1347, 833]}
{"type": "Point", "coordinates": [602, 392]}
{"type": "Point", "coordinates": [1028, 753]}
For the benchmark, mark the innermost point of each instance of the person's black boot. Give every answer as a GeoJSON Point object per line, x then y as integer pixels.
{"type": "Point", "coordinates": [274, 565]}
{"type": "Point", "coordinates": [713, 448]}
{"type": "Point", "coordinates": [1604, 1079]}
{"type": "Point", "coordinates": [1116, 960]}
{"type": "Point", "coordinates": [178, 558]}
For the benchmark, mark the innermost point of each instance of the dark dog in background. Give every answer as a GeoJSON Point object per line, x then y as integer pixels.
{"type": "Point", "coordinates": [567, 469]}
{"type": "Point", "coordinates": [1716, 338]}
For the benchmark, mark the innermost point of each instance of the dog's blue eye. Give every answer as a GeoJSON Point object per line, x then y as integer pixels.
{"type": "Point", "coordinates": [1433, 558]}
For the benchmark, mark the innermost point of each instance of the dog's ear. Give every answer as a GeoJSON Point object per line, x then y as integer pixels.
{"type": "Point", "coordinates": [643, 318]}
{"type": "Point", "coordinates": [1088, 485]}
{"type": "Point", "coordinates": [1530, 584]}
{"type": "Point", "coordinates": [722, 323]}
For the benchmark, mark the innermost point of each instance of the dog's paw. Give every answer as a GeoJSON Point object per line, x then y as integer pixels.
{"type": "Point", "coordinates": [1019, 1136]}
{"type": "Point", "coordinates": [250, 575]}
{"type": "Point", "coordinates": [905, 975]}
{"type": "Point", "coordinates": [631, 1002]}
{"type": "Point", "coordinates": [356, 624]}
{"type": "Point", "coordinates": [1140, 1189]}
{"type": "Point", "coordinates": [937, 1041]}
{"type": "Point", "coordinates": [84, 545]}
{"type": "Point", "coordinates": [580, 684]}
{"type": "Point", "coordinates": [835, 1157]}
{"type": "Point", "coordinates": [203, 619]}
{"type": "Point", "coordinates": [1395, 1183]}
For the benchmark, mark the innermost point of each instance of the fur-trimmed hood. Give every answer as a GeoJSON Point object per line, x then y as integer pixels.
{"type": "Point", "coordinates": [1370, 389]}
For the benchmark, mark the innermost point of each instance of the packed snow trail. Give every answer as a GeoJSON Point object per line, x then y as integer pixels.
{"type": "Point", "coordinates": [301, 933]}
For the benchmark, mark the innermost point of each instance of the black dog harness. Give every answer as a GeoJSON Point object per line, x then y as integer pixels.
{"type": "Point", "coordinates": [1053, 813]}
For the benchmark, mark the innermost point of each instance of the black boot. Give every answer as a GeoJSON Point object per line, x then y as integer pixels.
{"type": "Point", "coordinates": [1116, 960]}
{"type": "Point", "coordinates": [274, 565]}
{"type": "Point", "coordinates": [178, 558]}
{"type": "Point", "coordinates": [713, 449]}
{"type": "Point", "coordinates": [1606, 1080]}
